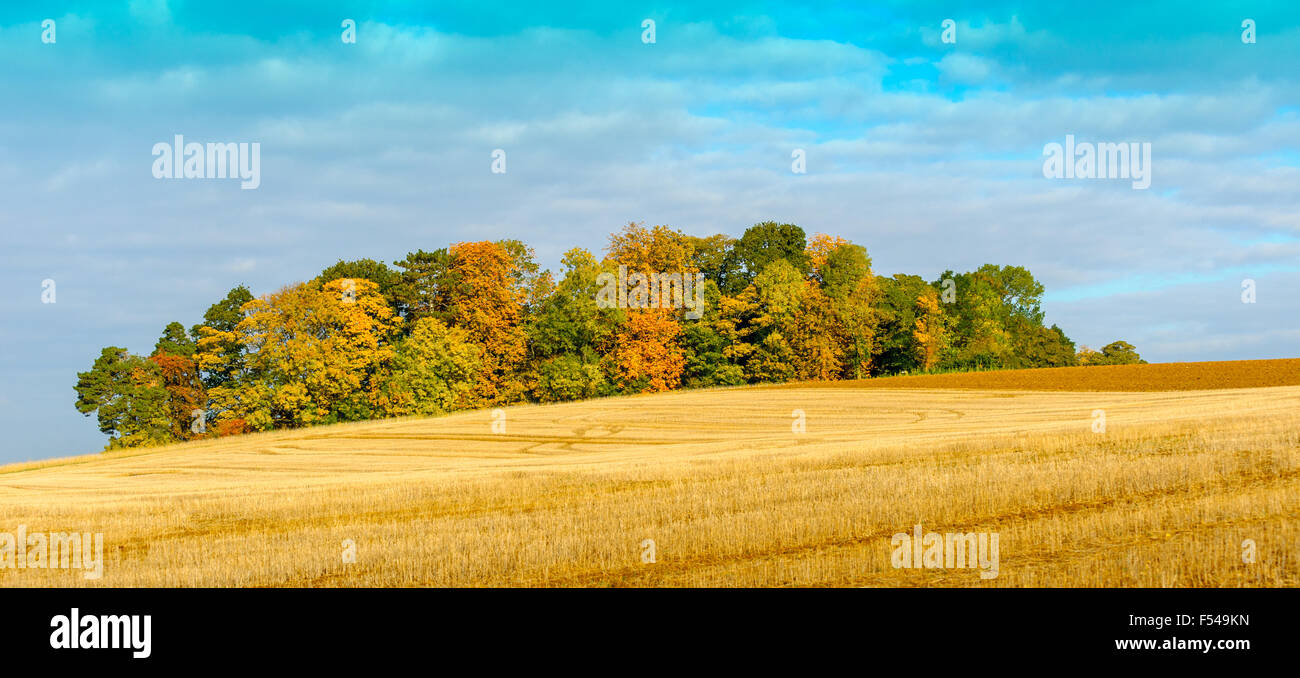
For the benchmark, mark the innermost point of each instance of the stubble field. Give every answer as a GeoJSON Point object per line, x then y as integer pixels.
{"type": "Point", "coordinates": [729, 493]}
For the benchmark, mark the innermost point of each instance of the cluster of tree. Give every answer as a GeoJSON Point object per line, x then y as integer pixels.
{"type": "Point", "coordinates": [478, 324]}
{"type": "Point", "coordinates": [1114, 353]}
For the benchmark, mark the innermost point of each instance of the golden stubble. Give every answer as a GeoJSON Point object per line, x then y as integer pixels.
{"type": "Point", "coordinates": [729, 493]}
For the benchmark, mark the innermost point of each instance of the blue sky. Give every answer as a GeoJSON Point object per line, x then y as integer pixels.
{"type": "Point", "coordinates": [927, 153]}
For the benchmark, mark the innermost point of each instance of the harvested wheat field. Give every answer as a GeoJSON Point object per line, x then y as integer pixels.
{"type": "Point", "coordinates": [719, 480]}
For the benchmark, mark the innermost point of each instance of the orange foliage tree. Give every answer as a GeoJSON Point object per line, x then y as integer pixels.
{"type": "Point", "coordinates": [186, 398]}
{"type": "Point", "coordinates": [486, 301]}
{"type": "Point", "coordinates": [648, 353]}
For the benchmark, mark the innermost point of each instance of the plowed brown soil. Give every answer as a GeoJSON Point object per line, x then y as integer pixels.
{"type": "Point", "coordinates": [1109, 378]}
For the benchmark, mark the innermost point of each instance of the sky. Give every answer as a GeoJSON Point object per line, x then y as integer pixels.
{"type": "Point", "coordinates": [927, 152]}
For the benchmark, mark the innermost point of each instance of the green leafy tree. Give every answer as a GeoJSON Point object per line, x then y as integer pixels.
{"type": "Point", "coordinates": [712, 257]}
{"type": "Point", "coordinates": [897, 307]}
{"type": "Point", "coordinates": [845, 268]}
{"type": "Point", "coordinates": [222, 318]}
{"type": "Point", "coordinates": [707, 345]}
{"type": "Point", "coordinates": [1117, 353]}
{"type": "Point", "coordinates": [980, 338]}
{"type": "Point", "coordinates": [707, 363]}
{"type": "Point", "coordinates": [773, 299]}
{"type": "Point", "coordinates": [572, 376]}
{"type": "Point", "coordinates": [760, 246]}
{"type": "Point", "coordinates": [174, 341]}
{"type": "Point", "coordinates": [533, 284]}
{"type": "Point", "coordinates": [421, 291]}
{"type": "Point", "coordinates": [435, 369]}
{"type": "Point", "coordinates": [569, 320]}
{"type": "Point", "coordinates": [1020, 292]}
{"type": "Point", "coordinates": [1038, 346]}
{"type": "Point", "coordinates": [128, 395]}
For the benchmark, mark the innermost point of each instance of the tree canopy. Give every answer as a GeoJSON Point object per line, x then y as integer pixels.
{"type": "Point", "coordinates": [479, 324]}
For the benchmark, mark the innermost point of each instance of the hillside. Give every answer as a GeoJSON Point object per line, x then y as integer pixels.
{"type": "Point", "coordinates": [731, 496]}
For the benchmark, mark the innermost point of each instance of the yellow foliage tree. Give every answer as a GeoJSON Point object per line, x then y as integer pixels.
{"type": "Point", "coordinates": [812, 333]}
{"type": "Point", "coordinates": [929, 334]}
{"type": "Point", "coordinates": [819, 247]}
{"type": "Point", "coordinates": [651, 250]}
{"type": "Point", "coordinates": [311, 356]}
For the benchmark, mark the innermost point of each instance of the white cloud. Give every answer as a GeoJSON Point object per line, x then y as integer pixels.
{"type": "Point", "coordinates": [384, 149]}
{"type": "Point", "coordinates": [964, 69]}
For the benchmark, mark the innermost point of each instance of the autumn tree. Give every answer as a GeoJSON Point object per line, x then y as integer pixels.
{"type": "Point", "coordinates": [819, 248]}
{"type": "Point", "coordinates": [222, 318]}
{"type": "Point", "coordinates": [480, 323]}
{"type": "Point", "coordinates": [641, 365]}
{"type": "Point", "coordinates": [812, 333]}
{"type": "Point", "coordinates": [928, 332]}
{"type": "Point", "coordinates": [311, 356]}
{"type": "Point", "coordinates": [647, 353]}
{"type": "Point", "coordinates": [854, 294]}
{"type": "Point", "coordinates": [651, 250]}
{"type": "Point", "coordinates": [386, 280]}
{"type": "Point", "coordinates": [485, 301]}
{"type": "Point", "coordinates": [186, 395]}
{"type": "Point", "coordinates": [434, 370]}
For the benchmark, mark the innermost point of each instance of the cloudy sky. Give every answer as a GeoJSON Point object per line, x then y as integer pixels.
{"type": "Point", "coordinates": [928, 153]}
